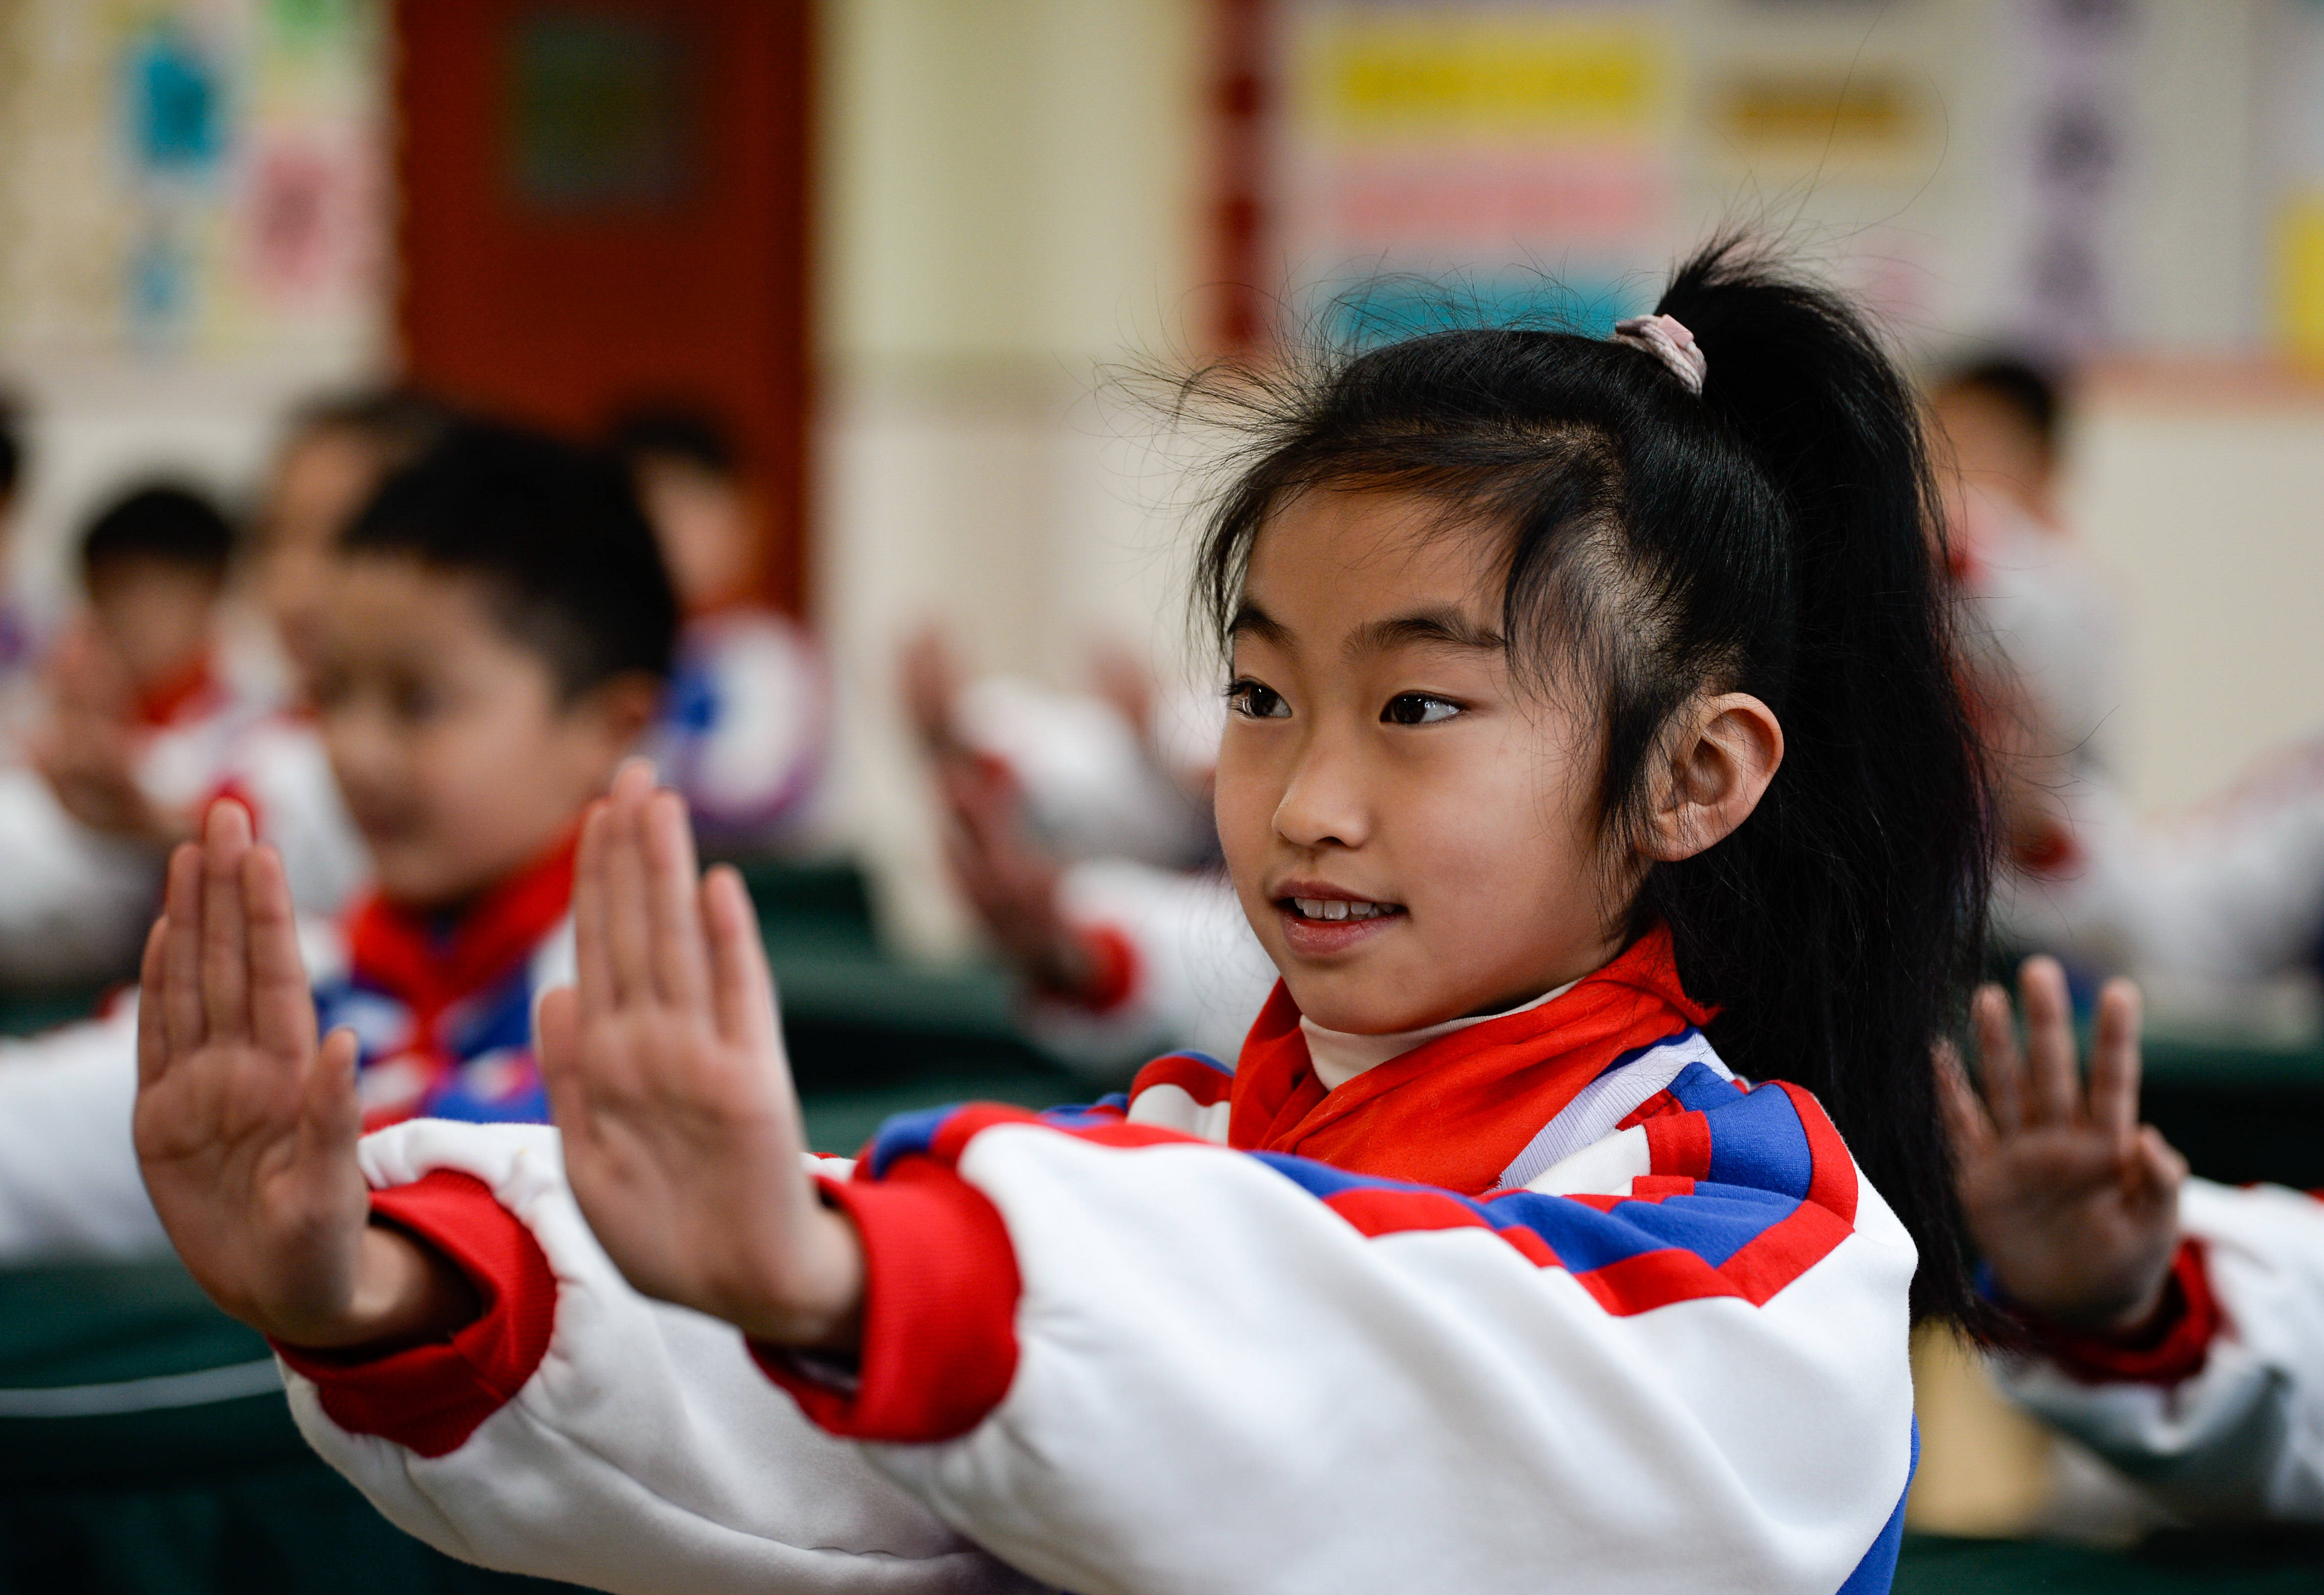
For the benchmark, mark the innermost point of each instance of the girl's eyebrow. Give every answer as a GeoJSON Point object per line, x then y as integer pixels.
{"type": "Point", "coordinates": [1439, 626]}
{"type": "Point", "coordinates": [1252, 620]}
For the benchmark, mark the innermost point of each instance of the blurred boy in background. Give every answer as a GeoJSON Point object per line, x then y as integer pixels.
{"type": "Point", "coordinates": [2202, 905]}
{"type": "Point", "coordinates": [135, 728]}
{"type": "Point", "coordinates": [744, 733]}
{"type": "Point", "coordinates": [335, 453]}
{"type": "Point", "coordinates": [493, 637]}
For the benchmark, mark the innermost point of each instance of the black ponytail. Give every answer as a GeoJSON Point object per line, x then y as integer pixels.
{"type": "Point", "coordinates": [1771, 535]}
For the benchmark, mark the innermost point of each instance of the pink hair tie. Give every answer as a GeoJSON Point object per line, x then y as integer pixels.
{"type": "Point", "coordinates": [1666, 339]}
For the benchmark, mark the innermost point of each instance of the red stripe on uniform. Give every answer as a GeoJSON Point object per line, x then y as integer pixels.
{"type": "Point", "coordinates": [1196, 1078]}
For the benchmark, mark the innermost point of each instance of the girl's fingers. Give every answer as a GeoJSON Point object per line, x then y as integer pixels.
{"type": "Point", "coordinates": [1996, 1047]}
{"type": "Point", "coordinates": [2056, 1096]}
{"type": "Point", "coordinates": [225, 940]}
{"type": "Point", "coordinates": [681, 963]}
{"type": "Point", "coordinates": [183, 1025]}
{"type": "Point", "coordinates": [1972, 1131]}
{"type": "Point", "coordinates": [2115, 1063]}
{"type": "Point", "coordinates": [334, 1115]}
{"type": "Point", "coordinates": [742, 987]}
{"type": "Point", "coordinates": [628, 923]}
{"type": "Point", "coordinates": [2160, 1166]}
{"type": "Point", "coordinates": [153, 1041]}
{"type": "Point", "coordinates": [558, 1028]}
{"type": "Point", "coordinates": [593, 960]}
{"type": "Point", "coordinates": [281, 1000]}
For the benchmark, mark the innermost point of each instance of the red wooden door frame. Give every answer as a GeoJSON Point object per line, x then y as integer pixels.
{"type": "Point", "coordinates": [559, 317]}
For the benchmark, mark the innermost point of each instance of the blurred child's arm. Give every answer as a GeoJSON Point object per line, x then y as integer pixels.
{"type": "Point", "coordinates": [2074, 1206]}
{"type": "Point", "coordinates": [70, 1190]}
{"type": "Point", "coordinates": [2177, 1326]}
{"type": "Point", "coordinates": [246, 1127]}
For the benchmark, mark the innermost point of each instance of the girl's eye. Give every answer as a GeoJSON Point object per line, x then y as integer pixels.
{"type": "Point", "coordinates": [1417, 708]}
{"type": "Point", "coordinates": [1256, 702]}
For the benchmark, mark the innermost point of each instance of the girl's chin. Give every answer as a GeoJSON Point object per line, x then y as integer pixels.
{"type": "Point", "coordinates": [1353, 1006]}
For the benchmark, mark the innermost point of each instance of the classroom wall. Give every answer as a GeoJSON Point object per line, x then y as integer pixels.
{"type": "Point", "coordinates": [2199, 500]}
{"type": "Point", "coordinates": [1012, 193]}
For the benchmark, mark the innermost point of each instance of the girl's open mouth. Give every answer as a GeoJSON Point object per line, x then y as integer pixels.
{"type": "Point", "coordinates": [1315, 925]}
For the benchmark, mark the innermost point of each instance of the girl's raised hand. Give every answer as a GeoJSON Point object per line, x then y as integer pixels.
{"type": "Point", "coordinates": [246, 1127]}
{"type": "Point", "coordinates": [2073, 1204]}
{"type": "Point", "coordinates": [667, 1075]}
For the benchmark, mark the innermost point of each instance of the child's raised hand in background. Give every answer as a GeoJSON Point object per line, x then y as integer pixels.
{"type": "Point", "coordinates": [245, 1126]}
{"type": "Point", "coordinates": [667, 1075]}
{"type": "Point", "coordinates": [2073, 1204]}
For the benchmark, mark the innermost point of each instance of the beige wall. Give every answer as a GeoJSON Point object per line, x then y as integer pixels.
{"type": "Point", "coordinates": [2206, 513]}
{"type": "Point", "coordinates": [1010, 190]}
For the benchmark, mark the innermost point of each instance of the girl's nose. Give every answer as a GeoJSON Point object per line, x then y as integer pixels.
{"type": "Point", "coordinates": [1323, 804]}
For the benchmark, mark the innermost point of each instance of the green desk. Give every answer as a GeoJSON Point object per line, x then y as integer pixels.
{"type": "Point", "coordinates": [2244, 1563]}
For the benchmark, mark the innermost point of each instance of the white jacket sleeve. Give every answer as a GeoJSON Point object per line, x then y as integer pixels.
{"type": "Point", "coordinates": [69, 1188]}
{"type": "Point", "coordinates": [641, 1451]}
{"type": "Point", "coordinates": [2226, 1418]}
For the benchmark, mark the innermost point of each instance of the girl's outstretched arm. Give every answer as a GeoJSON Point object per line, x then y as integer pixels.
{"type": "Point", "coordinates": [667, 1075]}
{"type": "Point", "coordinates": [245, 1126]}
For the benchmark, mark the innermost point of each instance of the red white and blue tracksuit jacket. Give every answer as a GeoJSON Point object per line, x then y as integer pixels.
{"type": "Point", "coordinates": [1550, 1303]}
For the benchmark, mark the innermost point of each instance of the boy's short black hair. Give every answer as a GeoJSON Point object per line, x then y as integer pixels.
{"type": "Point", "coordinates": [401, 422]}
{"type": "Point", "coordinates": [166, 522]}
{"type": "Point", "coordinates": [554, 531]}
{"type": "Point", "coordinates": [12, 449]}
{"type": "Point", "coordinates": [673, 431]}
{"type": "Point", "coordinates": [2028, 392]}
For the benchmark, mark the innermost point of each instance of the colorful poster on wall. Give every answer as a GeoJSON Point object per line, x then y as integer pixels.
{"type": "Point", "coordinates": [1473, 160]}
{"type": "Point", "coordinates": [198, 180]}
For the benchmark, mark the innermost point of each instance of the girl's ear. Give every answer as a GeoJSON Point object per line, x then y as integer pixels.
{"type": "Point", "coordinates": [1723, 752]}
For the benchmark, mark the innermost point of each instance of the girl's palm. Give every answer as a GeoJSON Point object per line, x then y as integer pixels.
{"type": "Point", "coordinates": [667, 1075]}
{"type": "Point", "coordinates": [244, 1127]}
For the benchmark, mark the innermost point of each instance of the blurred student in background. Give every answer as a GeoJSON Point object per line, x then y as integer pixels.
{"type": "Point", "coordinates": [491, 638]}
{"type": "Point", "coordinates": [1078, 827]}
{"type": "Point", "coordinates": [745, 731]}
{"type": "Point", "coordinates": [335, 451]}
{"type": "Point", "coordinates": [179, 686]}
{"type": "Point", "coordinates": [134, 731]}
{"type": "Point", "coordinates": [2199, 904]}
{"type": "Point", "coordinates": [2173, 1325]}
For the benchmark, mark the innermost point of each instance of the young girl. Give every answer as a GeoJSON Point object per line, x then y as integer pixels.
{"type": "Point", "coordinates": [1594, 747]}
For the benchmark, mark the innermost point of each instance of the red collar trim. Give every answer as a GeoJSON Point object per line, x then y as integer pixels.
{"type": "Point", "coordinates": [192, 689]}
{"type": "Point", "coordinates": [406, 952]}
{"type": "Point", "coordinates": [1454, 1112]}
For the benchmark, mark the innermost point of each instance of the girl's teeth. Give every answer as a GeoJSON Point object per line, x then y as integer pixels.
{"type": "Point", "coordinates": [1338, 909]}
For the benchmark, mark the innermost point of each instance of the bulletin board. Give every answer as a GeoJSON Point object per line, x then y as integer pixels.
{"type": "Point", "coordinates": [196, 179]}
{"type": "Point", "coordinates": [1497, 159]}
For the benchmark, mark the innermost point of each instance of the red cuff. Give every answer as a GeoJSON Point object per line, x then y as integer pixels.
{"type": "Point", "coordinates": [2172, 1345]}
{"type": "Point", "coordinates": [428, 1398]}
{"type": "Point", "coordinates": [940, 1290]}
{"type": "Point", "coordinates": [1115, 958]}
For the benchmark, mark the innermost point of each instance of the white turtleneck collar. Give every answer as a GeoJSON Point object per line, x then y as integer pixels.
{"type": "Point", "coordinates": [1339, 1057]}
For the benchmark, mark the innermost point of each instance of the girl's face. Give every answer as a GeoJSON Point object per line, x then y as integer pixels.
{"type": "Point", "coordinates": [1413, 838]}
